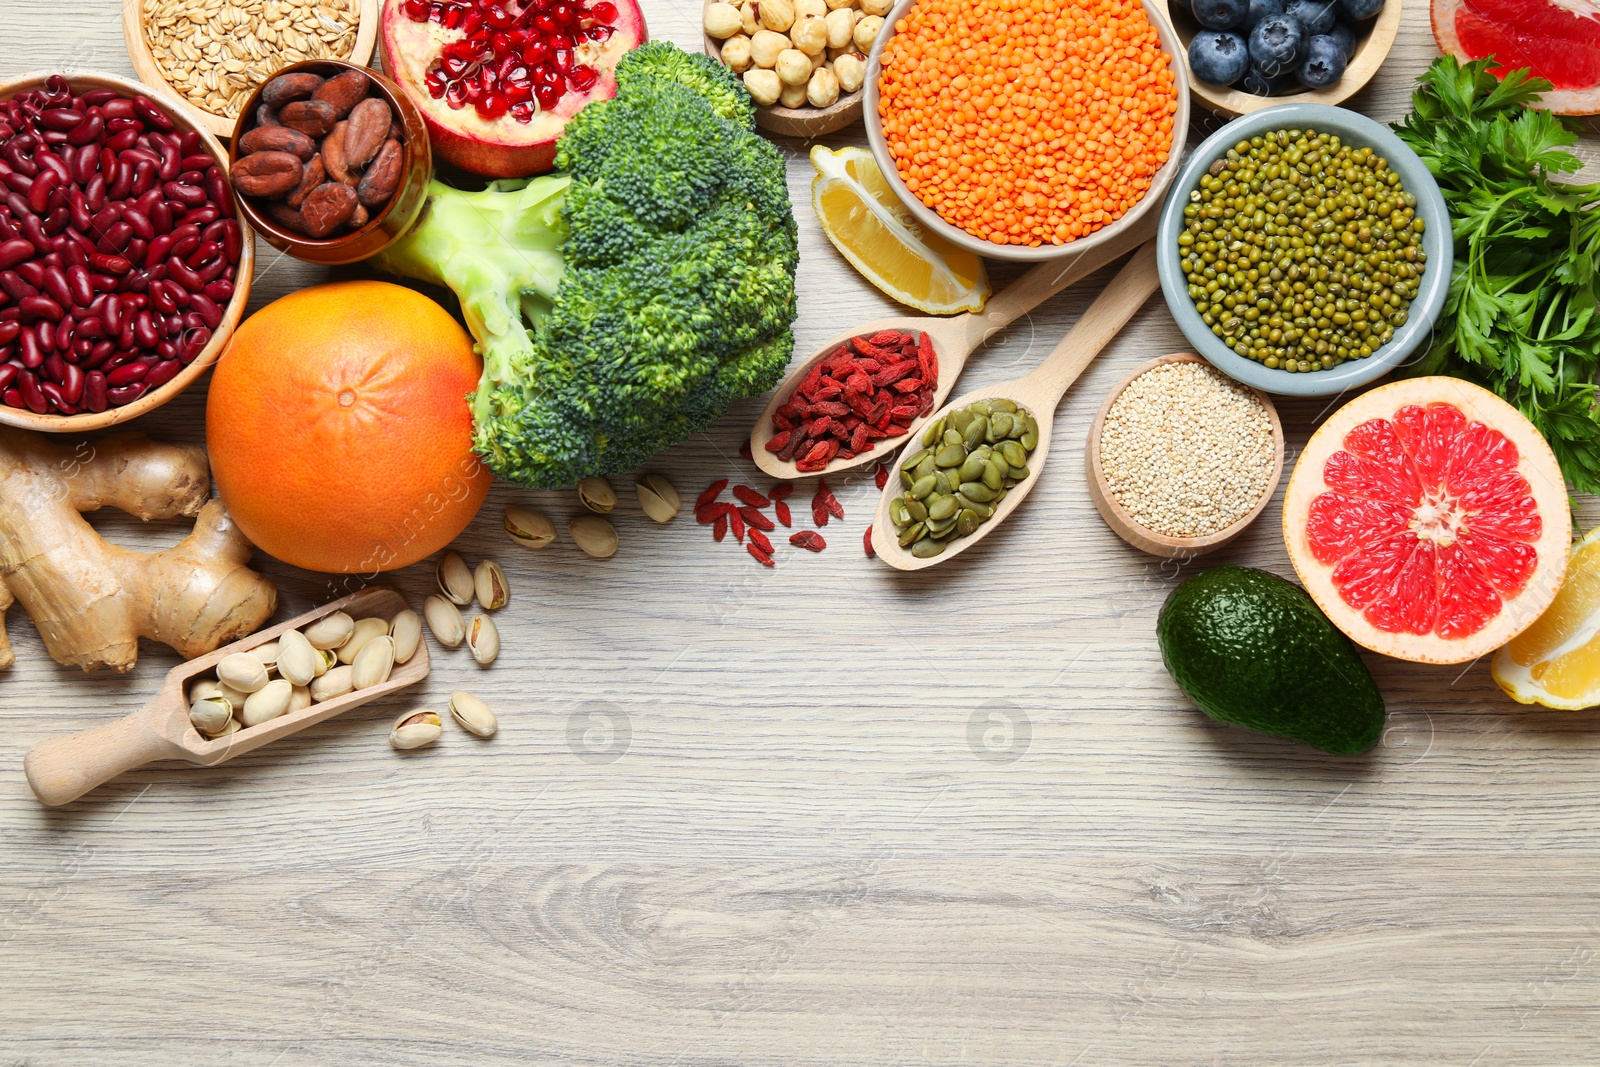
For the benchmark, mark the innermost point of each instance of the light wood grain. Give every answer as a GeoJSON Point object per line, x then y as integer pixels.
{"type": "Point", "coordinates": [736, 817]}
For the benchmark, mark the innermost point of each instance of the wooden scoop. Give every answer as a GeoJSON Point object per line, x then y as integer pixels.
{"type": "Point", "coordinates": [1038, 393]}
{"type": "Point", "coordinates": [62, 769]}
{"type": "Point", "coordinates": [954, 340]}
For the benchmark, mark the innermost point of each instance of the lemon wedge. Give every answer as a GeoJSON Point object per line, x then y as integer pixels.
{"type": "Point", "coordinates": [871, 228]}
{"type": "Point", "coordinates": [1556, 661]}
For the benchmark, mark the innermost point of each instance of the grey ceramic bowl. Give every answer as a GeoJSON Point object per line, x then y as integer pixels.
{"type": "Point", "coordinates": [1352, 129]}
{"type": "Point", "coordinates": [1160, 182]}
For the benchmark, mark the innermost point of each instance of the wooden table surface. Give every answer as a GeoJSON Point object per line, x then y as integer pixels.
{"type": "Point", "coordinates": [822, 814]}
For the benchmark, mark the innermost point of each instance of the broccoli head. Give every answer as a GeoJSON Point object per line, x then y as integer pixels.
{"type": "Point", "coordinates": [621, 303]}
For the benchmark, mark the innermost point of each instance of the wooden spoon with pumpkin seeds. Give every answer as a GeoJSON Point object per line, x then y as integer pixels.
{"type": "Point", "coordinates": [1035, 395]}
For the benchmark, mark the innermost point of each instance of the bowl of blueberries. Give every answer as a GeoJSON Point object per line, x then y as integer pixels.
{"type": "Point", "coordinates": [1245, 55]}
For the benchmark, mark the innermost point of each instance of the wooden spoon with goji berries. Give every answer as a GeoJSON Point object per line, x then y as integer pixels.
{"type": "Point", "coordinates": [781, 448]}
{"type": "Point", "coordinates": [1034, 395]}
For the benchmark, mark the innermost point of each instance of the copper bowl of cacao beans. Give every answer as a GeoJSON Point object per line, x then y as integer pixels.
{"type": "Point", "coordinates": [330, 162]}
{"type": "Point", "coordinates": [124, 262]}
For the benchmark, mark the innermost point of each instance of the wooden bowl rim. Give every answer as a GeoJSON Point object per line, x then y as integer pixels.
{"type": "Point", "coordinates": [1176, 545]}
{"type": "Point", "coordinates": [1233, 103]}
{"type": "Point", "coordinates": [231, 314]}
{"type": "Point", "coordinates": [149, 72]}
{"type": "Point", "coordinates": [794, 121]}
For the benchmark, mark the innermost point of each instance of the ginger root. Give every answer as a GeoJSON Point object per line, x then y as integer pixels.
{"type": "Point", "coordinates": [91, 601]}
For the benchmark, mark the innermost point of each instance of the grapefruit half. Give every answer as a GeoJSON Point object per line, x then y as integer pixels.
{"type": "Point", "coordinates": [1558, 39]}
{"type": "Point", "coordinates": [1428, 520]}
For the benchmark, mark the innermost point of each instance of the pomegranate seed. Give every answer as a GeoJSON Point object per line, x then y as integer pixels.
{"type": "Point", "coordinates": [417, 10]}
{"type": "Point", "coordinates": [565, 14]}
{"type": "Point", "coordinates": [563, 60]}
{"type": "Point", "coordinates": [599, 33]}
{"type": "Point", "coordinates": [523, 111]}
{"type": "Point", "coordinates": [547, 96]}
{"type": "Point", "coordinates": [582, 79]}
{"type": "Point", "coordinates": [605, 11]}
{"type": "Point", "coordinates": [545, 25]}
{"type": "Point", "coordinates": [535, 52]}
{"type": "Point", "coordinates": [492, 106]}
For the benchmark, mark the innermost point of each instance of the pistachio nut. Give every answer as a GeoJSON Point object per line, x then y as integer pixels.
{"type": "Point", "coordinates": [327, 660]}
{"type": "Point", "coordinates": [483, 638]}
{"type": "Point", "coordinates": [267, 653]}
{"type": "Point", "coordinates": [489, 582]}
{"type": "Point", "coordinates": [406, 629]}
{"type": "Point", "coordinates": [330, 631]}
{"type": "Point", "coordinates": [365, 630]}
{"type": "Point", "coordinates": [210, 715]}
{"type": "Point", "coordinates": [415, 729]}
{"type": "Point", "coordinates": [657, 498]}
{"type": "Point", "coordinates": [455, 579]}
{"type": "Point", "coordinates": [444, 619]}
{"type": "Point", "coordinates": [472, 714]}
{"type": "Point", "coordinates": [201, 688]}
{"type": "Point", "coordinates": [529, 528]}
{"type": "Point", "coordinates": [232, 726]}
{"type": "Point", "coordinates": [596, 494]}
{"type": "Point", "coordinates": [374, 663]}
{"type": "Point", "coordinates": [336, 683]}
{"type": "Point", "coordinates": [242, 671]}
{"type": "Point", "coordinates": [297, 660]}
{"type": "Point", "coordinates": [594, 536]}
{"type": "Point", "coordinates": [300, 698]}
{"type": "Point", "coordinates": [268, 702]}
{"type": "Point", "coordinates": [232, 696]}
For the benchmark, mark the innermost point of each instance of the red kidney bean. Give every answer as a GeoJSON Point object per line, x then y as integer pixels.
{"type": "Point", "coordinates": [220, 291]}
{"type": "Point", "coordinates": [139, 222]}
{"type": "Point", "coordinates": [214, 269]}
{"type": "Point", "coordinates": [116, 238]}
{"type": "Point", "coordinates": [125, 338]}
{"type": "Point", "coordinates": [106, 217]}
{"type": "Point", "coordinates": [171, 163]}
{"type": "Point", "coordinates": [94, 192]}
{"type": "Point", "coordinates": [193, 321]}
{"type": "Point", "coordinates": [14, 252]}
{"type": "Point", "coordinates": [55, 284]}
{"type": "Point", "coordinates": [188, 243]}
{"type": "Point", "coordinates": [161, 217]}
{"type": "Point", "coordinates": [92, 328]}
{"type": "Point", "coordinates": [94, 392]}
{"type": "Point", "coordinates": [20, 184]}
{"type": "Point", "coordinates": [144, 175]}
{"type": "Point", "coordinates": [8, 374]}
{"type": "Point", "coordinates": [20, 208]}
{"type": "Point", "coordinates": [144, 203]}
{"type": "Point", "coordinates": [80, 209]}
{"type": "Point", "coordinates": [200, 216]}
{"type": "Point", "coordinates": [207, 309]}
{"type": "Point", "coordinates": [98, 354]}
{"type": "Point", "coordinates": [120, 108]}
{"type": "Point", "coordinates": [127, 394]}
{"type": "Point", "coordinates": [127, 374]}
{"type": "Point", "coordinates": [33, 230]}
{"type": "Point", "coordinates": [103, 282]}
{"type": "Point", "coordinates": [53, 367]}
{"type": "Point", "coordinates": [160, 299]}
{"type": "Point", "coordinates": [83, 346]}
{"type": "Point", "coordinates": [90, 130]}
{"type": "Point", "coordinates": [28, 386]}
{"type": "Point", "coordinates": [56, 397]}
{"type": "Point", "coordinates": [8, 332]}
{"type": "Point", "coordinates": [111, 264]}
{"type": "Point", "coordinates": [162, 373]}
{"type": "Point", "coordinates": [42, 307]}
{"type": "Point", "coordinates": [98, 97]}
{"type": "Point", "coordinates": [72, 383]}
{"type": "Point", "coordinates": [156, 273]}
{"type": "Point", "coordinates": [84, 163]}
{"type": "Point", "coordinates": [8, 232]}
{"type": "Point", "coordinates": [60, 118]}
{"type": "Point", "coordinates": [144, 330]}
{"type": "Point", "coordinates": [188, 195]}
{"type": "Point", "coordinates": [57, 221]}
{"type": "Point", "coordinates": [14, 285]}
{"type": "Point", "coordinates": [121, 181]}
{"type": "Point", "coordinates": [64, 330]}
{"type": "Point", "coordinates": [50, 162]}
{"type": "Point", "coordinates": [167, 350]}
{"type": "Point", "coordinates": [32, 272]}
{"type": "Point", "coordinates": [78, 284]}
{"type": "Point", "coordinates": [204, 254]}
{"type": "Point", "coordinates": [39, 193]}
{"type": "Point", "coordinates": [111, 314]}
{"type": "Point", "coordinates": [151, 114]}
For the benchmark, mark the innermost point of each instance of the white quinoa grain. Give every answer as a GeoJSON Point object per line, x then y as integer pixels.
{"type": "Point", "coordinates": [1185, 450]}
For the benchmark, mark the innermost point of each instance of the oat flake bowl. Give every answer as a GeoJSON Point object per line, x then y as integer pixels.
{"type": "Point", "coordinates": [1030, 114]}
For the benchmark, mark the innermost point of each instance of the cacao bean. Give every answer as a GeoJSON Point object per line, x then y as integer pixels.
{"type": "Point", "coordinates": [359, 217]}
{"type": "Point", "coordinates": [267, 115]}
{"type": "Point", "coordinates": [364, 135]}
{"type": "Point", "coordinates": [314, 118]}
{"type": "Point", "coordinates": [333, 157]}
{"type": "Point", "coordinates": [277, 139]}
{"type": "Point", "coordinates": [327, 208]}
{"type": "Point", "coordinates": [344, 91]}
{"type": "Point", "coordinates": [381, 180]}
{"type": "Point", "coordinates": [314, 176]}
{"type": "Point", "coordinates": [265, 174]}
{"type": "Point", "coordinates": [286, 87]}
{"type": "Point", "coordinates": [286, 216]}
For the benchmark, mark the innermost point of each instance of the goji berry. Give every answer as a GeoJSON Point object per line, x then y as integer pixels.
{"type": "Point", "coordinates": [826, 500]}
{"type": "Point", "coordinates": [736, 524]}
{"type": "Point", "coordinates": [819, 516]}
{"type": "Point", "coordinates": [750, 496]}
{"type": "Point", "coordinates": [761, 557]}
{"type": "Point", "coordinates": [719, 529]}
{"type": "Point", "coordinates": [759, 539]}
{"type": "Point", "coordinates": [866, 542]}
{"type": "Point", "coordinates": [808, 539]}
{"type": "Point", "coordinates": [776, 442]}
{"type": "Point", "coordinates": [711, 493]}
{"type": "Point", "coordinates": [744, 450]}
{"type": "Point", "coordinates": [754, 518]}
{"type": "Point", "coordinates": [711, 513]}
{"type": "Point", "coordinates": [781, 490]}
{"type": "Point", "coordinates": [783, 511]}
{"type": "Point", "coordinates": [881, 476]}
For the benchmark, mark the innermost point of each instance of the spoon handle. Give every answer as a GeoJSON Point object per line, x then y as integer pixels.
{"type": "Point", "coordinates": [62, 769]}
{"type": "Point", "coordinates": [1048, 279]}
{"type": "Point", "coordinates": [1110, 311]}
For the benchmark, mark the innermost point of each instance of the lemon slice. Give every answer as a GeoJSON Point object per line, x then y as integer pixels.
{"type": "Point", "coordinates": [1556, 661]}
{"type": "Point", "coordinates": [871, 228]}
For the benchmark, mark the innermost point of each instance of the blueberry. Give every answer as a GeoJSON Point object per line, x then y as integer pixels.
{"type": "Point", "coordinates": [1258, 10]}
{"type": "Point", "coordinates": [1357, 10]}
{"type": "Point", "coordinates": [1219, 14]}
{"type": "Point", "coordinates": [1218, 57]}
{"type": "Point", "coordinates": [1345, 38]}
{"type": "Point", "coordinates": [1315, 15]}
{"type": "Point", "coordinates": [1323, 65]}
{"type": "Point", "coordinates": [1259, 84]}
{"type": "Point", "coordinates": [1276, 44]}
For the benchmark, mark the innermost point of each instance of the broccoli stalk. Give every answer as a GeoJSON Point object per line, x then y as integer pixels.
{"type": "Point", "coordinates": [621, 304]}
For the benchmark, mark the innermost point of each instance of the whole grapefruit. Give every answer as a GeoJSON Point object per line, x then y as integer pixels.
{"type": "Point", "coordinates": [339, 431]}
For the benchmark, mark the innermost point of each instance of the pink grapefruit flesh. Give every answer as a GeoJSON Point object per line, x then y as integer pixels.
{"type": "Point", "coordinates": [1559, 40]}
{"type": "Point", "coordinates": [1429, 520]}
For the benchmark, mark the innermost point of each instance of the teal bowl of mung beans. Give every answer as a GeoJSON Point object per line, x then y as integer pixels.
{"type": "Point", "coordinates": [1305, 250]}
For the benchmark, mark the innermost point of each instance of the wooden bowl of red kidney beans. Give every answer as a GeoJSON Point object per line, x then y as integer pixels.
{"type": "Point", "coordinates": [124, 262]}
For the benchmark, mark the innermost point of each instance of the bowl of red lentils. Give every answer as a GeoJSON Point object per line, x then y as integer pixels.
{"type": "Point", "coordinates": [1027, 129]}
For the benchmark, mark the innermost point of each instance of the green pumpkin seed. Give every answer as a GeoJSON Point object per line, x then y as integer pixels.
{"type": "Point", "coordinates": [951, 455]}
{"type": "Point", "coordinates": [994, 474]}
{"type": "Point", "coordinates": [952, 437]}
{"type": "Point", "coordinates": [976, 431]}
{"type": "Point", "coordinates": [924, 486]}
{"type": "Point", "coordinates": [978, 491]}
{"type": "Point", "coordinates": [1015, 454]}
{"type": "Point", "coordinates": [1000, 427]}
{"type": "Point", "coordinates": [917, 510]}
{"type": "Point", "coordinates": [942, 526]}
{"type": "Point", "coordinates": [966, 522]}
{"type": "Point", "coordinates": [907, 479]}
{"type": "Point", "coordinates": [925, 468]}
{"type": "Point", "coordinates": [933, 433]}
{"type": "Point", "coordinates": [1030, 433]}
{"type": "Point", "coordinates": [961, 419]}
{"type": "Point", "coordinates": [898, 513]}
{"type": "Point", "coordinates": [983, 511]}
{"type": "Point", "coordinates": [1002, 404]}
{"type": "Point", "coordinates": [941, 507]}
{"type": "Point", "coordinates": [973, 468]}
{"type": "Point", "coordinates": [1019, 474]}
{"type": "Point", "coordinates": [915, 458]}
{"type": "Point", "coordinates": [980, 407]}
{"type": "Point", "coordinates": [911, 533]}
{"type": "Point", "coordinates": [927, 549]}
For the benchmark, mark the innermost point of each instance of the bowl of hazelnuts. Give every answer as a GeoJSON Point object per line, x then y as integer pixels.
{"type": "Point", "coordinates": [803, 61]}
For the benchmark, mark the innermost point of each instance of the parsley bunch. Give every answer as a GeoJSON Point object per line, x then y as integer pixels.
{"type": "Point", "coordinates": [1521, 315]}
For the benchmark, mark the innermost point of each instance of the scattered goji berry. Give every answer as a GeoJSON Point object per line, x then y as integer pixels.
{"type": "Point", "coordinates": [819, 516]}
{"type": "Point", "coordinates": [711, 513]}
{"type": "Point", "coordinates": [711, 493]}
{"type": "Point", "coordinates": [781, 490]}
{"type": "Point", "coordinates": [808, 539]}
{"type": "Point", "coordinates": [736, 523]}
{"type": "Point", "coordinates": [719, 529]}
{"type": "Point", "coordinates": [759, 539]}
{"type": "Point", "coordinates": [881, 476]}
{"type": "Point", "coordinates": [744, 450]}
{"type": "Point", "coordinates": [761, 557]}
{"type": "Point", "coordinates": [866, 542]}
{"type": "Point", "coordinates": [755, 519]}
{"type": "Point", "coordinates": [750, 496]}
{"type": "Point", "coordinates": [825, 500]}
{"type": "Point", "coordinates": [783, 511]}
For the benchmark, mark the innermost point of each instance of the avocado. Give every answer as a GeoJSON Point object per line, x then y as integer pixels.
{"type": "Point", "coordinates": [1254, 650]}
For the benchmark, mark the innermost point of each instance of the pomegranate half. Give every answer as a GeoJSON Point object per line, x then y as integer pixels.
{"type": "Point", "coordinates": [1428, 519]}
{"type": "Point", "coordinates": [497, 80]}
{"type": "Point", "coordinates": [1558, 39]}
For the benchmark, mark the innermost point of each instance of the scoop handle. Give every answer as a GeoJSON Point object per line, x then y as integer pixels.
{"type": "Point", "coordinates": [62, 769]}
{"type": "Point", "coordinates": [1111, 310]}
